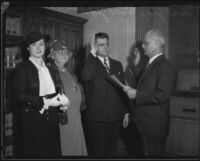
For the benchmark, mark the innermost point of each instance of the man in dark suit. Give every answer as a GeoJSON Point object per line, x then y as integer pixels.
{"type": "Point", "coordinates": [107, 104]}
{"type": "Point", "coordinates": [154, 85]}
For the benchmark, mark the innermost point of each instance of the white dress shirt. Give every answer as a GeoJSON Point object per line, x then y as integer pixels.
{"type": "Point", "coordinates": [46, 83]}
{"type": "Point", "coordinates": [153, 58]}
{"type": "Point", "coordinates": [102, 60]}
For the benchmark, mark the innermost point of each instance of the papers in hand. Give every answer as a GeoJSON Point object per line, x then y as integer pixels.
{"type": "Point", "coordinates": [115, 80]}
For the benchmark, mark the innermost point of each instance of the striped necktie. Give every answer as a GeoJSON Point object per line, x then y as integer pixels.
{"type": "Point", "coordinates": [106, 65]}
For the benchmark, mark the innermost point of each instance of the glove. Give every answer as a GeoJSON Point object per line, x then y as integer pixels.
{"type": "Point", "coordinates": [64, 100]}
{"type": "Point", "coordinates": [52, 101]}
{"type": "Point", "coordinates": [93, 48]}
{"type": "Point", "coordinates": [64, 108]}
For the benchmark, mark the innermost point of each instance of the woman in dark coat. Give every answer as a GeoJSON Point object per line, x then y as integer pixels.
{"type": "Point", "coordinates": [37, 103]}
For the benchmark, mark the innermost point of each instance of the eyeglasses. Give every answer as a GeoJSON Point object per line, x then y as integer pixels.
{"type": "Point", "coordinates": [62, 52]}
{"type": "Point", "coordinates": [102, 45]}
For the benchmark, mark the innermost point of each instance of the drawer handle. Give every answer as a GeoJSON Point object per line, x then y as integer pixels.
{"type": "Point", "coordinates": [189, 110]}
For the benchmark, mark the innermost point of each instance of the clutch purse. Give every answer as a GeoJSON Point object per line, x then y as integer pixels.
{"type": "Point", "coordinates": [63, 117]}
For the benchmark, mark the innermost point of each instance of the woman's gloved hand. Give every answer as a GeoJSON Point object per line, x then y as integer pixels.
{"type": "Point", "coordinates": [63, 100]}
{"type": "Point", "coordinates": [54, 102]}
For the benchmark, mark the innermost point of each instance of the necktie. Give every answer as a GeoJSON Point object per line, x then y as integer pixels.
{"type": "Point", "coordinates": [106, 65]}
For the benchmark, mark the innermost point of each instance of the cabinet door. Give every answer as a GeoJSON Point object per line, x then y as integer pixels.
{"type": "Point", "coordinates": [45, 27]}
{"type": "Point", "coordinates": [73, 38]}
{"type": "Point", "coordinates": [48, 28]}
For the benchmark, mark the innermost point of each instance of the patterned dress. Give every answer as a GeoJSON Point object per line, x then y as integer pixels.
{"type": "Point", "coordinates": [72, 136]}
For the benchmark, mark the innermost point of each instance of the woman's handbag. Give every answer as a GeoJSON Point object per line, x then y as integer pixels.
{"type": "Point", "coordinates": [63, 117]}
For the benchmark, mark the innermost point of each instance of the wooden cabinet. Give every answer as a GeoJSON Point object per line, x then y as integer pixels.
{"type": "Point", "coordinates": [184, 129]}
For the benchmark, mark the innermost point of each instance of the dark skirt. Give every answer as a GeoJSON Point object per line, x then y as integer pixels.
{"type": "Point", "coordinates": [37, 135]}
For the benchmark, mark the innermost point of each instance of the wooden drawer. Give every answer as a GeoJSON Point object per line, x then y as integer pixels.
{"type": "Point", "coordinates": [185, 107]}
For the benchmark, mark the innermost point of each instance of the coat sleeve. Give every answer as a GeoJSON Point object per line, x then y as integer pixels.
{"type": "Point", "coordinates": [20, 88]}
{"type": "Point", "coordinates": [124, 97]}
{"type": "Point", "coordinates": [88, 73]}
{"type": "Point", "coordinates": [163, 90]}
{"type": "Point", "coordinates": [137, 70]}
{"type": "Point", "coordinates": [89, 68]}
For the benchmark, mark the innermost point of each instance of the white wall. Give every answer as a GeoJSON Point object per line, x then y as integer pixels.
{"type": "Point", "coordinates": [119, 23]}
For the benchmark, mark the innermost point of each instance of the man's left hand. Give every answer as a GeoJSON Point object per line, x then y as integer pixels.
{"type": "Point", "coordinates": [126, 120]}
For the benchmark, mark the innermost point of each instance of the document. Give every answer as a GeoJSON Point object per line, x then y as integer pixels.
{"type": "Point", "coordinates": [116, 81]}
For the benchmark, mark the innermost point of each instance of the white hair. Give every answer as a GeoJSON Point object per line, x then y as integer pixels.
{"type": "Point", "coordinates": [156, 35]}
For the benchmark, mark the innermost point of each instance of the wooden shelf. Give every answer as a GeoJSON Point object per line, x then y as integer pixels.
{"type": "Point", "coordinates": [13, 40]}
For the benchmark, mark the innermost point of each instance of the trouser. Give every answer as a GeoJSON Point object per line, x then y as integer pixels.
{"type": "Point", "coordinates": [153, 146]}
{"type": "Point", "coordinates": [103, 138]}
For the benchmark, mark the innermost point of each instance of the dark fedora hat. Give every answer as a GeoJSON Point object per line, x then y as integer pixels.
{"type": "Point", "coordinates": [33, 37]}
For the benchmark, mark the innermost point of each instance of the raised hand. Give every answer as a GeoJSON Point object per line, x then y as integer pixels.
{"type": "Point", "coordinates": [137, 56]}
{"type": "Point", "coordinates": [93, 47]}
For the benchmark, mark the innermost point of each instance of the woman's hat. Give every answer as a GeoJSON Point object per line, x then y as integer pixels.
{"type": "Point", "coordinates": [33, 37]}
{"type": "Point", "coordinates": [57, 46]}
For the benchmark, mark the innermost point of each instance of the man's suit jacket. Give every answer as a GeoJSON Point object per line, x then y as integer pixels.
{"type": "Point", "coordinates": [154, 88]}
{"type": "Point", "coordinates": [105, 101]}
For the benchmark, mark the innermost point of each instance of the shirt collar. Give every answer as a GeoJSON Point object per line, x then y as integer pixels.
{"type": "Point", "coordinates": [154, 57]}
{"type": "Point", "coordinates": [102, 59]}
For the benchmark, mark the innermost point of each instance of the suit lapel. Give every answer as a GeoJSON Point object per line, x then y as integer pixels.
{"type": "Point", "coordinates": [111, 66]}
{"type": "Point", "coordinates": [149, 68]}
{"type": "Point", "coordinates": [115, 70]}
{"type": "Point", "coordinates": [32, 73]}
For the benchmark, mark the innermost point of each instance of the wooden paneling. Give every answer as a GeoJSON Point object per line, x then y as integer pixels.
{"type": "Point", "coordinates": [183, 138]}
{"type": "Point", "coordinates": [184, 36]}
{"type": "Point", "coordinates": [152, 18]}
{"type": "Point", "coordinates": [188, 80]}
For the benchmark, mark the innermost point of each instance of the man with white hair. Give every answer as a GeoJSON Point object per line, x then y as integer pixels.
{"type": "Point", "coordinates": [152, 92]}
